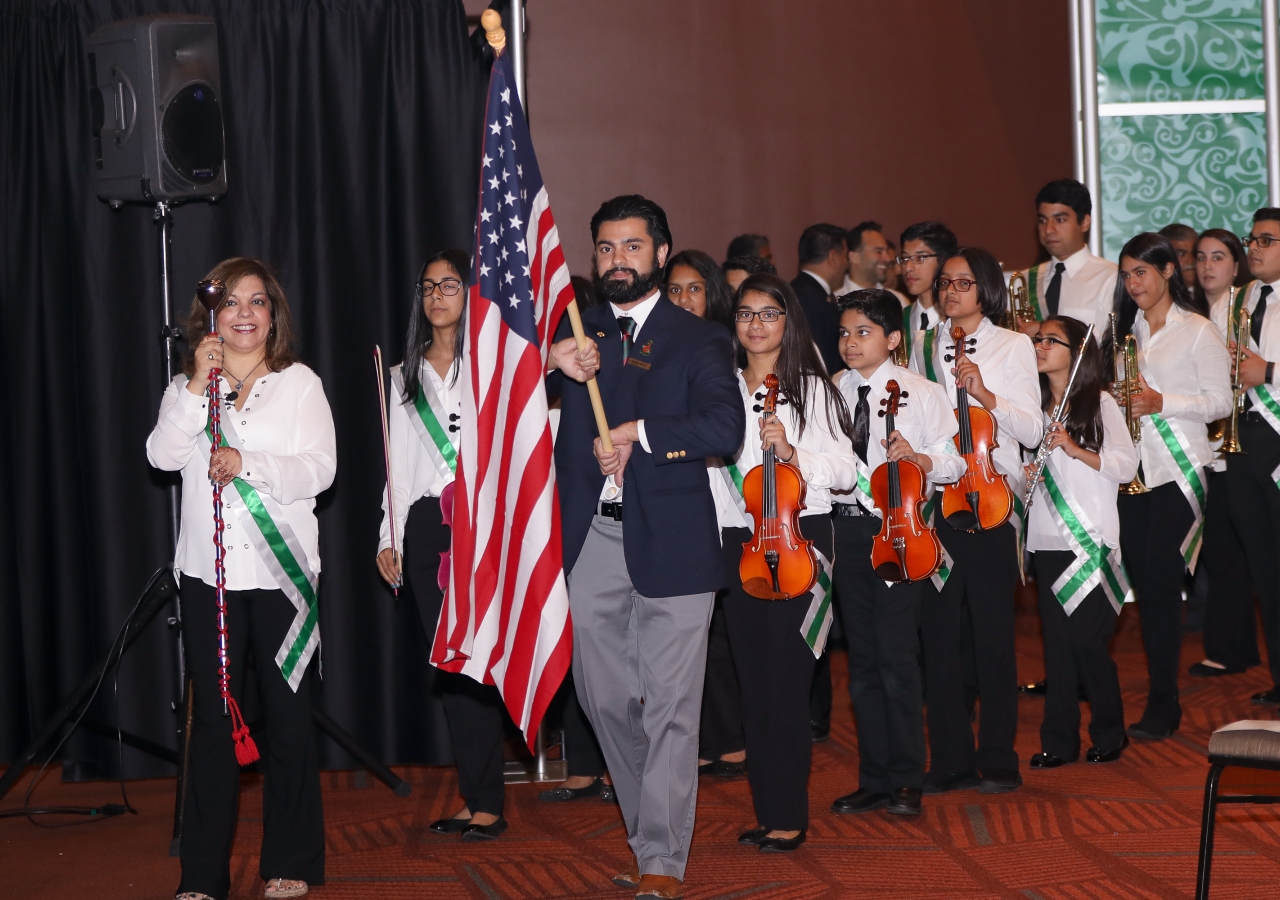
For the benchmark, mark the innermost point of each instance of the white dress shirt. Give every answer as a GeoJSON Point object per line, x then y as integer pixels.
{"type": "Point", "coordinates": [612, 491]}
{"type": "Point", "coordinates": [1270, 346]}
{"type": "Point", "coordinates": [849, 286]}
{"type": "Point", "coordinates": [824, 455]}
{"type": "Point", "coordinates": [415, 472]}
{"type": "Point", "coordinates": [932, 316]}
{"type": "Point", "coordinates": [1088, 288]}
{"type": "Point", "coordinates": [1007, 361]}
{"type": "Point", "coordinates": [1188, 364]}
{"type": "Point", "coordinates": [1094, 490]}
{"type": "Point", "coordinates": [925, 419]}
{"type": "Point", "coordinates": [289, 453]}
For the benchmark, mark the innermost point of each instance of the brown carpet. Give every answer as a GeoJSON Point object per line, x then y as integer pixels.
{"type": "Point", "coordinates": [1127, 830]}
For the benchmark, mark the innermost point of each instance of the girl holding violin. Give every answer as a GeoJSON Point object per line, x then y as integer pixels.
{"type": "Point", "coordinates": [1183, 384]}
{"type": "Point", "coordinates": [993, 369]}
{"type": "Point", "coordinates": [423, 418]}
{"type": "Point", "coordinates": [1090, 456]}
{"type": "Point", "coordinates": [811, 432]}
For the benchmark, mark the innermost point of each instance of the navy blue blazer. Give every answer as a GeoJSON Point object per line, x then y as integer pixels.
{"type": "Point", "coordinates": [681, 381]}
{"type": "Point", "coordinates": [824, 320]}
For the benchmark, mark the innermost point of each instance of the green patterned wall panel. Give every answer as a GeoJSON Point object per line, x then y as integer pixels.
{"type": "Point", "coordinates": [1161, 50]}
{"type": "Point", "coordinates": [1207, 171]}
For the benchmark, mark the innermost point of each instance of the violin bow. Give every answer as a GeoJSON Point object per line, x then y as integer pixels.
{"type": "Point", "coordinates": [386, 456]}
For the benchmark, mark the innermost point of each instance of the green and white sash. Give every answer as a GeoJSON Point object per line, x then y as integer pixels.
{"type": "Point", "coordinates": [931, 365]}
{"type": "Point", "coordinates": [818, 618]}
{"type": "Point", "coordinates": [1096, 563]}
{"type": "Point", "coordinates": [1267, 405]}
{"type": "Point", "coordinates": [1189, 479]}
{"type": "Point", "coordinates": [733, 477]}
{"type": "Point", "coordinates": [1034, 276]}
{"type": "Point", "coordinates": [939, 578]}
{"type": "Point", "coordinates": [429, 423]}
{"type": "Point", "coordinates": [279, 548]}
{"type": "Point", "coordinates": [907, 333]}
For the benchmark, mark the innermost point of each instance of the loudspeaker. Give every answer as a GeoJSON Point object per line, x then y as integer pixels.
{"type": "Point", "coordinates": [155, 96]}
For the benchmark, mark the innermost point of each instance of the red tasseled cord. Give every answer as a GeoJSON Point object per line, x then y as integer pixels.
{"type": "Point", "coordinates": [246, 749]}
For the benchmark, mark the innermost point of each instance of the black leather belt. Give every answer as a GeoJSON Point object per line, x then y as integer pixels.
{"type": "Point", "coordinates": [611, 510]}
{"type": "Point", "coordinates": [843, 510]}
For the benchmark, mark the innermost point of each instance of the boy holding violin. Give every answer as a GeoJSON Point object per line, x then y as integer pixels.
{"type": "Point", "coordinates": [882, 619]}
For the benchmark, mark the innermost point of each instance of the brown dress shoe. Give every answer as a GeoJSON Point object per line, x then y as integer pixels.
{"type": "Point", "coordinates": [630, 876]}
{"type": "Point", "coordinates": [668, 887]}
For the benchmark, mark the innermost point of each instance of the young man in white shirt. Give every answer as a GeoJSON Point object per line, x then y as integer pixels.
{"type": "Point", "coordinates": [925, 247]}
{"type": "Point", "coordinates": [1073, 282]}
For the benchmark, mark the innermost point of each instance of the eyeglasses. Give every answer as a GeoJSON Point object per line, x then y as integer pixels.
{"type": "Point", "coordinates": [1046, 339]}
{"type": "Point", "coordinates": [919, 258]}
{"type": "Point", "coordinates": [766, 315]}
{"type": "Point", "coordinates": [962, 285]}
{"type": "Point", "coordinates": [1262, 240]}
{"type": "Point", "coordinates": [449, 287]}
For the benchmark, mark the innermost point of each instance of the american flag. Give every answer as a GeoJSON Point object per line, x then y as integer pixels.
{"type": "Point", "coordinates": [506, 619]}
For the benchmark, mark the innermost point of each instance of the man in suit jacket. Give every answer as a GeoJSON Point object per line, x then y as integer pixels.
{"type": "Point", "coordinates": [824, 261]}
{"type": "Point", "coordinates": [641, 542]}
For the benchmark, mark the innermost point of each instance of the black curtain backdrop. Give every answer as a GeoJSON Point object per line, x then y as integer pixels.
{"type": "Point", "coordinates": [353, 137]}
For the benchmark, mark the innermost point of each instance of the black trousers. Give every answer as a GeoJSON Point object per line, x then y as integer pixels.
{"type": "Point", "coordinates": [475, 711]}
{"type": "Point", "coordinates": [1075, 652]}
{"type": "Point", "coordinates": [1152, 528]}
{"type": "Point", "coordinates": [1255, 512]}
{"type": "Point", "coordinates": [720, 732]}
{"type": "Point", "coordinates": [1230, 623]}
{"type": "Point", "coordinates": [774, 673]}
{"type": "Point", "coordinates": [582, 754]}
{"type": "Point", "coordinates": [983, 578]}
{"type": "Point", "coordinates": [292, 816]}
{"type": "Point", "coordinates": [882, 624]}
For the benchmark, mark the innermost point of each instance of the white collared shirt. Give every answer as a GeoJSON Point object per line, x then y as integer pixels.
{"type": "Point", "coordinates": [932, 314]}
{"type": "Point", "coordinates": [612, 491]}
{"type": "Point", "coordinates": [1094, 490]}
{"type": "Point", "coordinates": [849, 287]}
{"type": "Point", "coordinates": [1007, 361]}
{"type": "Point", "coordinates": [1088, 288]}
{"type": "Point", "coordinates": [824, 454]}
{"type": "Point", "coordinates": [1270, 346]}
{"type": "Point", "coordinates": [925, 419]}
{"type": "Point", "coordinates": [289, 453]}
{"type": "Point", "coordinates": [412, 467]}
{"type": "Point", "coordinates": [1187, 362]}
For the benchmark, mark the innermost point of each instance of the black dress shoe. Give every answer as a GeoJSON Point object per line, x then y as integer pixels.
{"type": "Point", "coordinates": [706, 768]}
{"type": "Point", "coordinates": [484, 832]}
{"type": "Point", "coordinates": [753, 837]}
{"type": "Point", "coordinates": [860, 801]}
{"type": "Point", "coordinates": [1038, 688]}
{"type": "Point", "coordinates": [942, 784]}
{"type": "Point", "coordinates": [608, 794]}
{"type": "Point", "coordinates": [1200, 670]}
{"type": "Point", "coordinates": [1151, 731]}
{"type": "Point", "coordinates": [999, 781]}
{"type": "Point", "coordinates": [1271, 696]}
{"type": "Point", "coordinates": [449, 826]}
{"type": "Point", "coordinates": [781, 845]}
{"type": "Point", "coordinates": [725, 769]}
{"type": "Point", "coordinates": [565, 794]}
{"type": "Point", "coordinates": [905, 802]}
{"type": "Point", "coordinates": [1048, 761]}
{"type": "Point", "coordinates": [820, 731]}
{"type": "Point", "coordinates": [1096, 755]}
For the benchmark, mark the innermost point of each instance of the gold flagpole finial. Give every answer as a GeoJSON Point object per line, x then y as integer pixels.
{"type": "Point", "coordinates": [491, 22]}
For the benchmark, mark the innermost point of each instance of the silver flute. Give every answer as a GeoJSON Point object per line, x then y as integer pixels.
{"type": "Point", "coordinates": [1059, 413]}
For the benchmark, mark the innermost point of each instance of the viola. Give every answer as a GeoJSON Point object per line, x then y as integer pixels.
{"type": "Point", "coordinates": [906, 549]}
{"type": "Point", "coordinates": [777, 563]}
{"type": "Point", "coordinates": [981, 499]}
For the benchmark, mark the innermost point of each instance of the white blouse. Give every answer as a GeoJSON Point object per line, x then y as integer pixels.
{"type": "Point", "coordinates": [1095, 490]}
{"type": "Point", "coordinates": [290, 453]}
{"type": "Point", "coordinates": [415, 473]}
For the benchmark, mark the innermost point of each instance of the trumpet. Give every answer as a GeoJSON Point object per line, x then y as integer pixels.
{"type": "Point", "coordinates": [1124, 391]}
{"type": "Point", "coordinates": [1020, 310]}
{"type": "Point", "coordinates": [1240, 335]}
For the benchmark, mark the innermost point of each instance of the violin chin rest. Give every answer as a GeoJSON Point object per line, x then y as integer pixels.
{"type": "Point", "coordinates": [889, 572]}
{"type": "Point", "coordinates": [762, 589]}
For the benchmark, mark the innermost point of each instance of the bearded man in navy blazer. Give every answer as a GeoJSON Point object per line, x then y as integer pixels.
{"type": "Point", "coordinates": [641, 542]}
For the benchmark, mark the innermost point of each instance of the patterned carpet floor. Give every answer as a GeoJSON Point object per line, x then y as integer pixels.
{"type": "Point", "coordinates": [1126, 830]}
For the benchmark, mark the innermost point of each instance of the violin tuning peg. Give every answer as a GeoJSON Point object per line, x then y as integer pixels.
{"type": "Point", "coordinates": [903, 396]}
{"type": "Point", "coordinates": [758, 408]}
{"type": "Point", "coordinates": [759, 395]}
{"type": "Point", "coordinates": [453, 417]}
{"type": "Point", "coordinates": [453, 427]}
{"type": "Point", "coordinates": [949, 358]}
{"type": "Point", "coordinates": [881, 414]}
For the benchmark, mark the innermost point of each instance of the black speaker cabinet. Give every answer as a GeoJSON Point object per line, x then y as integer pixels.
{"type": "Point", "coordinates": [157, 110]}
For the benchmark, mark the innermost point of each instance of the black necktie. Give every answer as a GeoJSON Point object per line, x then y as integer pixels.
{"type": "Point", "coordinates": [924, 320]}
{"type": "Point", "coordinates": [1055, 289]}
{"type": "Point", "coordinates": [627, 326]}
{"type": "Point", "coordinates": [861, 423]}
{"type": "Point", "coordinates": [1255, 323]}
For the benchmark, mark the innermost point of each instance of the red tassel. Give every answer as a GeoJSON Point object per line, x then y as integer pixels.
{"type": "Point", "coordinates": [246, 749]}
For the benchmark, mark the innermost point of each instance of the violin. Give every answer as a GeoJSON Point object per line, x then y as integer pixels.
{"type": "Point", "coordinates": [777, 563]}
{"type": "Point", "coordinates": [981, 499]}
{"type": "Point", "coordinates": [906, 549]}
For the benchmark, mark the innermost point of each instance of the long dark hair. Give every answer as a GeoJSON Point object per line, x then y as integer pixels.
{"type": "Point", "coordinates": [993, 293]}
{"type": "Point", "coordinates": [1084, 413]}
{"type": "Point", "coordinates": [231, 272]}
{"type": "Point", "coordinates": [719, 294]}
{"type": "Point", "coordinates": [1154, 250]}
{"type": "Point", "coordinates": [1229, 240]}
{"type": "Point", "coordinates": [798, 361]}
{"type": "Point", "coordinates": [422, 333]}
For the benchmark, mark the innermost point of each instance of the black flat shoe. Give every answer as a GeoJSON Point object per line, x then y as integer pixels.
{"type": "Point", "coordinates": [962, 781]}
{"type": "Point", "coordinates": [999, 781]}
{"type": "Point", "coordinates": [819, 732]}
{"type": "Point", "coordinates": [781, 845]}
{"type": "Point", "coordinates": [565, 794]}
{"type": "Point", "coordinates": [1150, 731]}
{"type": "Point", "coordinates": [1105, 756]}
{"type": "Point", "coordinates": [1038, 689]}
{"type": "Point", "coordinates": [860, 801]}
{"type": "Point", "coordinates": [1048, 761]}
{"type": "Point", "coordinates": [484, 832]}
{"type": "Point", "coordinates": [608, 794]}
{"type": "Point", "coordinates": [1200, 670]}
{"type": "Point", "coordinates": [1270, 697]}
{"type": "Point", "coordinates": [753, 837]}
{"type": "Point", "coordinates": [905, 802]}
{"type": "Point", "coordinates": [449, 826]}
{"type": "Point", "coordinates": [725, 769]}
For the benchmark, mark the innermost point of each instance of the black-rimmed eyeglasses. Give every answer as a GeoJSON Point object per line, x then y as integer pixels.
{"type": "Point", "coordinates": [1262, 240]}
{"type": "Point", "coordinates": [766, 315]}
{"type": "Point", "coordinates": [449, 287]}
{"type": "Point", "coordinates": [1040, 339]}
{"type": "Point", "coordinates": [962, 285]}
{"type": "Point", "coordinates": [919, 258]}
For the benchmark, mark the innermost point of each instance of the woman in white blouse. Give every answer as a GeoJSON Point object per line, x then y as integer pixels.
{"type": "Point", "coordinates": [1073, 524]}
{"type": "Point", "coordinates": [775, 662]}
{"type": "Point", "coordinates": [1185, 384]}
{"type": "Point", "coordinates": [280, 454]}
{"type": "Point", "coordinates": [423, 417]}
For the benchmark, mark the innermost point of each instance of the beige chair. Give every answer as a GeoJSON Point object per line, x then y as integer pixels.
{"type": "Point", "coordinates": [1252, 744]}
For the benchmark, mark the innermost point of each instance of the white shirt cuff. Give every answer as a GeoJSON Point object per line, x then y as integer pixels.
{"type": "Point", "coordinates": [644, 439]}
